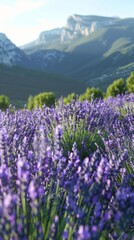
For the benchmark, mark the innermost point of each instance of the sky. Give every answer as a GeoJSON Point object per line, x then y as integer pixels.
{"type": "Point", "coordinates": [23, 20]}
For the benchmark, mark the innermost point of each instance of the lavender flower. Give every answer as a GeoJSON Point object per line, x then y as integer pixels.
{"type": "Point", "coordinates": [68, 172]}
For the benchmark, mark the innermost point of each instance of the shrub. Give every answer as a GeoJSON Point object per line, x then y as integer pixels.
{"type": "Point", "coordinates": [69, 98]}
{"type": "Point", "coordinates": [91, 93]}
{"type": "Point", "coordinates": [130, 83]}
{"type": "Point", "coordinates": [30, 103]}
{"type": "Point", "coordinates": [117, 87]}
{"type": "Point", "coordinates": [46, 98]}
{"type": "Point", "coordinates": [4, 102]}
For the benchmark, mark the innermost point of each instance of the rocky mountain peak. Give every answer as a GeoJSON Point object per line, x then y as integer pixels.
{"type": "Point", "coordinates": [9, 53]}
{"type": "Point", "coordinates": [5, 43]}
{"type": "Point", "coordinates": [78, 25]}
{"type": "Point", "coordinates": [2, 36]}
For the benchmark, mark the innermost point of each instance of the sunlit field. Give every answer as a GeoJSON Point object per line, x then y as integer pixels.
{"type": "Point", "coordinates": [67, 172]}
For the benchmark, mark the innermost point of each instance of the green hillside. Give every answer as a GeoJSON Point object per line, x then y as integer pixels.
{"type": "Point", "coordinates": [100, 54]}
{"type": "Point", "coordinates": [18, 83]}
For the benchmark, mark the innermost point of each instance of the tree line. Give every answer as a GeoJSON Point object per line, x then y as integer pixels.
{"type": "Point", "coordinates": [119, 86]}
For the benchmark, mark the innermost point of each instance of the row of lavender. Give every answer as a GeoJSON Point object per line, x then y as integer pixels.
{"type": "Point", "coordinates": [68, 172]}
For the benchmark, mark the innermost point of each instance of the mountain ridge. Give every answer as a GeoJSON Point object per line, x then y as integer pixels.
{"type": "Point", "coordinates": [10, 54]}
{"type": "Point", "coordinates": [76, 26]}
{"type": "Point", "coordinates": [96, 51]}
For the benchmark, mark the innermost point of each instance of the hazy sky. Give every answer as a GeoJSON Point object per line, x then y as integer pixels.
{"type": "Point", "coordinates": [23, 20]}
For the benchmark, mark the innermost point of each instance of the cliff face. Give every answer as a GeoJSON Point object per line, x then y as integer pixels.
{"type": "Point", "coordinates": [50, 35]}
{"type": "Point", "coordinates": [78, 25]}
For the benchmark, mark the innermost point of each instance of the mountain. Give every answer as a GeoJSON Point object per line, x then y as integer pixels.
{"type": "Point", "coordinates": [93, 49]}
{"type": "Point", "coordinates": [77, 26]}
{"type": "Point", "coordinates": [45, 40]}
{"type": "Point", "coordinates": [88, 51]}
{"type": "Point", "coordinates": [10, 54]}
{"type": "Point", "coordinates": [43, 59]}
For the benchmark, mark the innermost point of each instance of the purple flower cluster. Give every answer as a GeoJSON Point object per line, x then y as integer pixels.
{"type": "Point", "coordinates": [48, 190]}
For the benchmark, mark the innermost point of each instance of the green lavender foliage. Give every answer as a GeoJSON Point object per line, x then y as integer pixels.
{"type": "Point", "coordinates": [86, 140]}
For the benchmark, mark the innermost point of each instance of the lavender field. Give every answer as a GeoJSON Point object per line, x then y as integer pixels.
{"type": "Point", "coordinates": [68, 172]}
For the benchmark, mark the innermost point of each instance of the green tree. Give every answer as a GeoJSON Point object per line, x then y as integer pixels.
{"type": "Point", "coordinates": [91, 93]}
{"type": "Point", "coordinates": [130, 83]}
{"type": "Point", "coordinates": [4, 102]}
{"type": "Point", "coordinates": [69, 98]}
{"type": "Point", "coordinates": [117, 87]}
{"type": "Point", "coordinates": [46, 98]}
{"type": "Point", "coordinates": [30, 102]}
